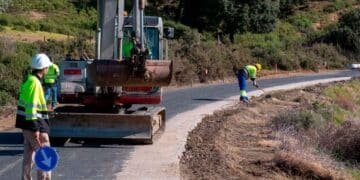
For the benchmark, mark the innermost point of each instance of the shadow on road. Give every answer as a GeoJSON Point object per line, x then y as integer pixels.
{"type": "Point", "coordinates": [10, 143]}
{"type": "Point", "coordinates": [212, 99]}
{"type": "Point", "coordinates": [10, 152]}
{"type": "Point", "coordinates": [11, 138]}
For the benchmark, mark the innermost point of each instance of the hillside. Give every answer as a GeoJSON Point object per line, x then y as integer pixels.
{"type": "Point", "coordinates": [283, 34]}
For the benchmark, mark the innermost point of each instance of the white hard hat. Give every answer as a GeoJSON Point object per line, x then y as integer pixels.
{"type": "Point", "coordinates": [40, 61]}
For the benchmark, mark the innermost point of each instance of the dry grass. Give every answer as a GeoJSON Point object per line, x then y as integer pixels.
{"type": "Point", "coordinates": [297, 165]}
{"type": "Point", "coordinates": [345, 102]}
{"type": "Point", "coordinates": [330, 125]}
{"type": "Point", "coordinates": [342, 141]}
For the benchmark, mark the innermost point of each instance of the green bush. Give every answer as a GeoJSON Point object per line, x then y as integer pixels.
{"type": "Point", "coordinates": [287, 7]}
{"type": "Point", "coordinates": [180, 29]}
{"type": "Point", "coordinates": [343, 141]}
{"type": "Point", "coordinates": [328, 56]}
{"type": "Point", "coordinates": [336, 5]}
{"type": "Point", "coordinates": [263, 16]}
{"type": "Point", "coordinates": [5, 19]}
{"type": "Point", "coordinates": [307, 62]}
{"type": "Point", "coordinates": [347, 35]}
{"type": "Point", "coordinates": [351, 20]}
{"type": "Point", "coordinates": [5, 98]}
{"type": "Point", "coordinates": [61, 17]}
{"type": "Point", "coordinates": [266, 41]}
{"type": "Point", "coordinates": [28, 48]}
{"type": "Point", "coordinates": [297, 120]}
{"type": "Point", "coordinates": [285, 35]}
{"type": "Point", "coordinates": [302, 21]}
{"type": "Point", "coordinates": [10, 86]}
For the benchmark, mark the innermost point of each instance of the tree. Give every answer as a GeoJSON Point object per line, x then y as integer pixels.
{"type": "Point", "coordinates": [205, 15]}
{"type": "Point", "coordinates": [263, 15]}
{"type": "Point", "coordinates": [235, 19]}
{"type": "Point", "coordinates": [231, 16]}
{"type": "Point", "coordinates": [287, 7]}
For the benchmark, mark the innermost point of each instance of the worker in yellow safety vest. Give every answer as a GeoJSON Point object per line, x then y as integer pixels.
{"type": "Point", "coordinates": [32, 116]}
{"type": "Point", "coordinates": [248, 72]}
{"type": "Point", "coordinates": [50, 83]}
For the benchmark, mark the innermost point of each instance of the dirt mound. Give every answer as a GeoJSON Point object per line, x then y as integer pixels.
{"type": "Point", "coordinates": [240, 143]}
{"type": "Point", "coordinates": [7, 118]}
{"type": "Point", "coordinates": [35, 15]}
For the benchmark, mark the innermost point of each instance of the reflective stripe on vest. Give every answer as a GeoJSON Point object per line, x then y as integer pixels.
{"type": "Point", "coordinates": [32, 104]}
{"type": "Point", "coordinates": [25, 105]}
{"type": "Point", "coordinates": [52, 74]}
{"type": "Point", "coordinates": [32, 116]}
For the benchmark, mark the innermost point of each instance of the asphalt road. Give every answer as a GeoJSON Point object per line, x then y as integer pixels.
{"type": "Point", "coordinates": [83, 160]}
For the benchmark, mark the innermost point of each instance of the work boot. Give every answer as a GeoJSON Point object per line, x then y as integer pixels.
{"type": "Point", "coordinates": [244, 99]}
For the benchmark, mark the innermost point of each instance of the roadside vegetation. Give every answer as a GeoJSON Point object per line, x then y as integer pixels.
{"type": "Point", "coordinates": [329, 124]}
{"type": "Point", "coordinates": [309, 133]}
{"type": "Point", "coordinates": [210, 43]}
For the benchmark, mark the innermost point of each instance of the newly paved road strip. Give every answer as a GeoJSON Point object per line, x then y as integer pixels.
{"type": "Point", "coordinates": [161, 160]}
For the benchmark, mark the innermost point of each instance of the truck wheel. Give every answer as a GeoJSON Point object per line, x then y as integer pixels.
{"type": "Point", "coordinates": [127, 106]}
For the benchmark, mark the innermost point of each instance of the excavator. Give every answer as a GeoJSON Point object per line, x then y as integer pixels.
{"type": "Point", "coordinates": [130, 68]}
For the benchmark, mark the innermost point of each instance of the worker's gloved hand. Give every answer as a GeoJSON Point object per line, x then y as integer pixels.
{"type": "Point", "coordinates": [256, 85]}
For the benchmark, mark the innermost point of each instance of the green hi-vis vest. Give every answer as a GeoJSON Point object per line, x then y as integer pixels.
{"type": "Point", "coordinates": [31, 104]}
{"type": "Point", "coordinates": [251, 70]}
{"type": "Point", "coordinates": [52, 74]}
{"type": "Point", "coordinates": [127, 47]}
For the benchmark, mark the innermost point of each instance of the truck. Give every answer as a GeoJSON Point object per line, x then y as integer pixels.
{"type": "Point", "coordinates": [130, 68]}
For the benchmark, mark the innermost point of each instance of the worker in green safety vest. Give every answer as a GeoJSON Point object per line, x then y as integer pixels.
{"type": "Point", "coordinates": [248, 72]}
{"type": "Point", "coordinates": [50, 83]}
{"type": "Point", "coordinates": [32, 116]}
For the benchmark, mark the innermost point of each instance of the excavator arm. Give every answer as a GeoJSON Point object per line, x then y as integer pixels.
{"type": "Point", "coordinates": [98, 92]}
{"type": "Point", "coordinates": [110, 69]}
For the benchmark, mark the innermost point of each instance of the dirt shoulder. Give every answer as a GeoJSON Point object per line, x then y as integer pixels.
{"type": "Point", "coordinates": [7, 118]}
{"type": "Point", "coordinates": [240, 143]}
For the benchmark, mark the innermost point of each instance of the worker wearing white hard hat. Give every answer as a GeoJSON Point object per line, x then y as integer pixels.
{"type": "Point", "coordinates": [32, 116]}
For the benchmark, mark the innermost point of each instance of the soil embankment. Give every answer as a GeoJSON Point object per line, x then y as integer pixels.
{"type": "Point", "coordinates": [242, 143]}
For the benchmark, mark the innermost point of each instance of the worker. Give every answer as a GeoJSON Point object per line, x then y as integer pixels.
{"type": "Point", "coordinates": [50, 83]}
{"type": "Point", "coordinates": [31, 115]}
{"type": "Point", "coordinates": [249, 71]}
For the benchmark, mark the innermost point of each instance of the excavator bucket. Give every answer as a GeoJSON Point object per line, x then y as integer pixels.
{"type": "Point", "coordinates": [121, 73]}
{"type": "Point", "coordinates": [138, 125]}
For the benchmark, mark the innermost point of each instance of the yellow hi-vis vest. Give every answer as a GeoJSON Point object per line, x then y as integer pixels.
{"type": "Point", "coordinates": [31, 104]}
{"type": "Point", "coordinates": [251, 70]}
{"type": "Point", "coordinates": [52, 74]}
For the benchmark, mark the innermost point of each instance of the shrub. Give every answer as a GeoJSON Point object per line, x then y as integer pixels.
{"type": "Point", "coordinates": [351, 20]}
{"type": "Point", "coordinates": [342, 141]}
{"type": "Point", "coordinates": [328, 56]}
{"type": "Point", "coordinates": [5, 98]}
{"type": "Point", "coordinates": [301, 21]}
{"type": "Point", "coordinates": [347, 35]}
{"type": "Point", "coordinates": [180, 29]}
{"type": "Point", "coordinates": [263, 16]}
{"type": "Point", "coordinates": [307, 62]}
{"type": "Point", "coordinates": [287, 7]}
{"type": "Point", "coordinates": [5, 20]}
{"type": "Point", "coordinates": [345, 102]}
{"type": "Point", "coordinates": [336, 5]}
{"type": "Point", "coordinates": [297, 120]}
